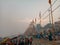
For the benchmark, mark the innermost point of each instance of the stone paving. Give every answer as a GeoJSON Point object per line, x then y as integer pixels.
{"type": "Point", "coordinates": [45, 42]}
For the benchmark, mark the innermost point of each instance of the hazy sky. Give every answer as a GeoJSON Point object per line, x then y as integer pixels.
{"type": "Point", "coordinates": [15, 15]}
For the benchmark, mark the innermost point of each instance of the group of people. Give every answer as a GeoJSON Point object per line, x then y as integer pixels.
{"type": "Point", "coordinates": [28, 41]}
{"type": "Point", "coordinates": [19, 41]}
{"type": "Point", "coordinates": [24, 41]}
{"type": "Point", "coordinates": [48, 35]}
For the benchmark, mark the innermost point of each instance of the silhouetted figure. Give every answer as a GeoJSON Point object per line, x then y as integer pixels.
{"type": "Point", "coordinates": [22, 42]}
{"type": "Point", "coordinates": [30, 41]}
{"type": "Point", "coordinates": [50, 36]}
{"type": "Point", "coordinates": [27, 41]}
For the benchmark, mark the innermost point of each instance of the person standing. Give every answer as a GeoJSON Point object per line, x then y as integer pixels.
{"type": "Point", "coordinates": [50, 35]}
{"type": "Point", "coordinates": [30, 40]}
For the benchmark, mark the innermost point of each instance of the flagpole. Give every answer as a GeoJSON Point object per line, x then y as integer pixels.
{"type": "Point", "coordinates": [51, 14]}
{"type": "Point", "coordinates": [40, 17]}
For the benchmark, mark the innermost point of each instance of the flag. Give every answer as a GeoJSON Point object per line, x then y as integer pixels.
{"type": "Point", "coordinates": [49, 1]}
